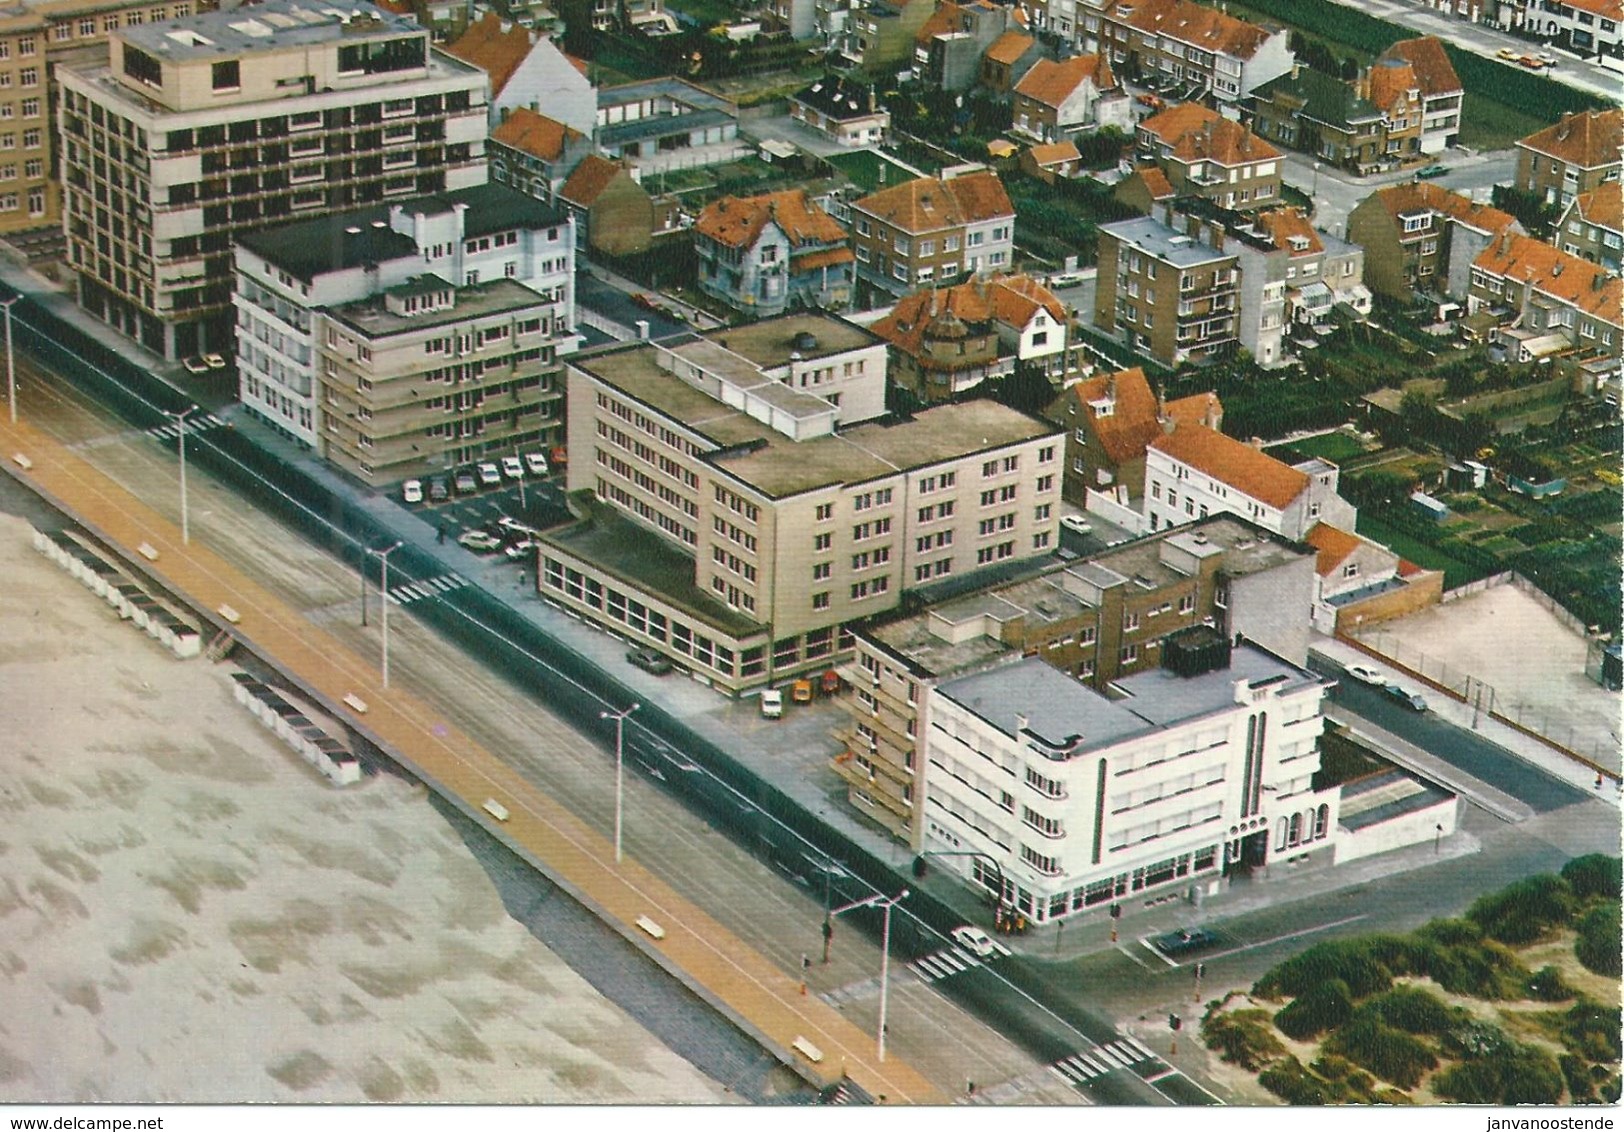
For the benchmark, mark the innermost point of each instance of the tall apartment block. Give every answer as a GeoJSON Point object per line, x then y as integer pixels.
{"type": "Point", "coordinates": [409, 338]}
{"type": "Point", "coordinates": [197, 130]}
{"type": "Point", "coordinates": [740, 524]}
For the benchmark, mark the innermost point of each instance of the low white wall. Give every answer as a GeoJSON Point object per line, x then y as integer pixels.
{"type": "Point", "coordinates": [1412, 828]}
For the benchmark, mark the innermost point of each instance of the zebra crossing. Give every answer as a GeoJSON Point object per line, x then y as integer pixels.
{"type": "Point", "coordinates": [409, 592]}
{"type": "Point", "coordinates": [1080, 1068]}
{"type": "Point", "coordinates": [951, 961]}
{"type": "Point", "coordinates": [193, 425]}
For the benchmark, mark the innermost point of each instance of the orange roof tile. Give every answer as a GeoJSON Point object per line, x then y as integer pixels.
{"type": "Point", "coordinates": [1603, 206]}
{"type": "Point", "coordinates": [1333, 545]}
{"type": "Point", "coordinates": [590, 178]}
{"type": "Point", "coordinates": [579, 64]}
{"type": "Point", "coordinates": [1016, 298]}
{"type": "Point", "coordinates": [1284, 223]}
{"type": "Point", "coordinates": [1194, 133]}
{"type": "Point", "coordinates": [1391, 81]}
{"type": "Point", "coordinates": [1197, 408]}
{"type": "Point", "coordinates": [1431, 65]}
{"type": "Point", "coordinates": [1055, 153]}
{"type": "Point", "coordinates": [928, 204]}
{"type": "Point", "coordinates": [1131, 425]}
{"type": "Point", "coordinates": [535, 134]}
{"type": "Point", "coordinates": [1051, 83]}
{"type": "Point", "coordinates": [1238, 465]}
{"type": "Point", "coordinates": [943, 21]}
{"type": "Point", "coordinates": [914, 314]}
{"type": "Point", "coordinates": [1417, 195]}
{"type": "Point", "coordinates": [1009, 47]}
{"type": "Point", "coordinates": [1587, 140]}
{"type": "Point", "coordinates": [1578, 282]}
{"type": "Point", "coordinates": [829, 257]}
{"type": "Point", "coordinates": [494, 47]}
{"type": "Point", "coordinates": [1155, 181]}
{"type": "Point", "coordinates": [737, 222]}
{"type": "Point", "coordinates": [1195, 24]}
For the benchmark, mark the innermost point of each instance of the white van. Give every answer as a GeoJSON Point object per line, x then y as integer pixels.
{"type": "Point", "coordinates": [772, 703]}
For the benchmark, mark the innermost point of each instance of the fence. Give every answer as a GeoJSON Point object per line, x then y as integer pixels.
{"type": "Point", "coordinates": [1477, 587]}
{"type": "Point", "coordinates": [1569, 621]}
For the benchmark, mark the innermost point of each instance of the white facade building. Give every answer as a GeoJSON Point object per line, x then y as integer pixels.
{"type": "Point", "coordinates": [1074, 800]}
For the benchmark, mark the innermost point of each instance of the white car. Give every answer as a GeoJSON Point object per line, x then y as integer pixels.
{"type": "Point", "coordinates": [1077, 523]}
{"type": "Point", "coordinates": [489, 475]}
{"type": "Point", "coordinates": [508, 523]}
{"type": "Point", "coordinates": [1365, 675]}
{"type": "Point", "coordinates": [513, 467]}
{"type": "Point", "coordinates": [520, 549]}
{"type": "Point", "coordinates": [536, 463]}
{"type": "Point", "coordinates": [772, 703]}
{"type": "Point", "coordinates": [412, 491]}
{"type": "Point", "coordinates": [479, 541]}
{"type": "Point", "coordinates": [214, 361]}
{"type": "Point", "coordinates": [195, 365]}
{"type": "Point", "coordinates": [974, 940]}
{"type": "Point", "coordinates": [1065, 279]}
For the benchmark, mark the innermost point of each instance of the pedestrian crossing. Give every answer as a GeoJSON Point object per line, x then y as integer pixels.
{"type": "Point", "coordinates": [1080, 1068]}
{"type": "Point", "coordinates": [428, 587]}
{"type": "Point", "coordinates": [951, 961]}
{"type": "Point", "coordinates": [193, 425]}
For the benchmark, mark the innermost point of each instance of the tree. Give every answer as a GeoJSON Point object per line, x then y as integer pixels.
{"type": "Point", "coordinates": [1595, 874]}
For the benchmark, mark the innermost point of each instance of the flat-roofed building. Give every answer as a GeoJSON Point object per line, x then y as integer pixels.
{"type": "Point", "coordinates": [786, 526]}
{"type": "Point", "coordinates": [1168, 294]}
{"type": "Point", "coordinates": [195, 131]}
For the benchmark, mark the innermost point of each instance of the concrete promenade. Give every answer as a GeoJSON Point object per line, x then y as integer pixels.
{"type": "Point", "coordinates": [704, 955]}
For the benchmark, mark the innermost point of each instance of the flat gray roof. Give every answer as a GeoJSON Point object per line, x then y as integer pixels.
{"type": "Point", "coordinates": [665, 87]}
{"type": "Point", "coordinates": [1164, 243]}
{"type": "Point", "coordinates": [1038, 600]}
{"type": "Point", "coordinates": [770, 343]}
{"type": "Point", "coordinates": [372, 318]}
{"type": "Point", "coordinates": [1163, 697]}
{"type": "Point", "coordinates": [269, 26]}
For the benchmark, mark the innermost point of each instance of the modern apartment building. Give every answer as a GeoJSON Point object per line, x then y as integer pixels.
{"type": "Point", "coordinates": [333, 316]}
{"type": "Point", "coordinates": [1070, 799]}
{"type": "Point", "coordinates": [198, 130]}
{"type": "Point", "coordinates": [1168, 294]}
{"type": "Point", "coordinates": [932, 230]}
{"type": "Point", "coordinates": [738, 530]}
{"type": "Point", "coordinates": [1203, 154]}
{"type": "Point", "coordinates": [1200, 50]}
{"type": "Point", "coordinates": [1099, 619]}
{"type": "Point", "coordinates": [1546, 293]}
{"type": "Point", "coordinates": [1442, 94]}
{"type": "Point", "coordinates": [879, 35]}
{"type": "Point", "coordinates": [767, 254]}
{"type": "Point", "coordinates": [1577, 155]}
{"type": "Point", "coordinates": [1421, 237]}
{"type": "Point", "coordinates": [1593, 227]}
{"type": "Point", "coordinates": [1321, 270]}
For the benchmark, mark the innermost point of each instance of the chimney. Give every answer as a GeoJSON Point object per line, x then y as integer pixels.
{"type": "Point", "coordinates": [1213, 419]}
{"type": "Point", "coordinates": [1022, 722]}
{"type": "Point", "coordinates": [1296, 69]}
{"type": "Point", "coordinates": [1257, 443]}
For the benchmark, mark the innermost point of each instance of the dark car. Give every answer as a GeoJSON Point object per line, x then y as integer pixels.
{"type": "Point", "coordinates": [1433, 171]}
{"type": "Point", "coordinates": [649, 661]}
{"type": "Point", "coordinates": [439, 490]}
{"type": "Point", "coordinates": [1406, 697]}
{"type": "Point", "coordinates": [1184, 941]}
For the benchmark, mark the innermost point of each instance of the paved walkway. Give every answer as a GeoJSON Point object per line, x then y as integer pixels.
{"type": "Point", "coordinates": [719, 966]}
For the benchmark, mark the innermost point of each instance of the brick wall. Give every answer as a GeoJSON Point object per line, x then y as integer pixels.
{"type": "Point", "coordinates": [1423, 590]}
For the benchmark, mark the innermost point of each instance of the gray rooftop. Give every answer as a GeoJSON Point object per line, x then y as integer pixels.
{"type": "Point", "coordinates": [1163, 697]}
{"type": "Point", "coordinates": [1166, 244]}
{"type": "Point", "coordinates": [1382, 797]}
{"type": "Point", "coordinates": [660, 126]}
{"type": "Point", "coordinates": [674, 89]}
{"type": "Point", "coordinates": [272, 25]}
{"type": "Point", "coordinates": [771, 342]}
{"type": "Point", "coordinates": [372, 318]}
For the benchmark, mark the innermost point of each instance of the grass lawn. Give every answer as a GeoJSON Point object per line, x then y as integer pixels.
{"type": "Point", "coordinates": [1332, 446]}
{"type": "Point", "coordinates": [1494, 125]}
{"type": "Point", "coordinates": [862, 168]}
{"type": "Point", "coordinates": [1456, 572]}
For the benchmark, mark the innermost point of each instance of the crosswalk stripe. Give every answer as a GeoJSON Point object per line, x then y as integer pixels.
{"type": "Point", "coordinates": [1082, 1065]}
{"type": "Point", "coordinates": [1066, 1077]}
{"type": "Point", "coordinates": [927, 967]}
{"type": "Point", "coordinates": [1140, 1046]}
{"type": "Point", "coordinates": [1094, 1068]}
{"type": "Point", "coordinates": [966, 958]}
{"type": "Point", "coordinates": [458, 579]}
{"type": "Point", "coordinates": [1074, 1077]}
{"type": "Point", "coordinates": [947, 958]}
{"type": "Point", "coordinates": [1107, 1058]}
{"type": "Point", "coordinates": [1126, 1052]}
{"type": "Point", "coordinates": [1001, 949]}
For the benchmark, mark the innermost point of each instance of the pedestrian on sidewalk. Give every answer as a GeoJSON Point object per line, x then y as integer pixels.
{"type": "Point", "coordinates": [439, 533]}
{"type": "Point", "coordinates": [521, 579]}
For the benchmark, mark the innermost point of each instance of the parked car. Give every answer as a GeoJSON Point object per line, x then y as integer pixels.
{"type": "Point", "coordinates": [412, 491]}
{"type": "Point", "coordinates": [1532, 62]}
{"type": "Point", "coordinates": [649, 661]}
{"type": "Point", "coordinates": [466, 483]}
{"type": "Point", "coordinates": [1365, 675]}
{"type": "Point", "coordinates": [1183, 941]}
{"type": "Point", "coordinates": [482, 542]}
{"type": "Point", "coordinates": [513, 467]}
{"type": "Point", "coordinates": [1409, 699]}
{"type": "Point", "coordinates": [1149, 100]}
{"type": "Point", "coordinates": [214, 361]}
{"type": "Point", "coordinates": [516, 526]}
{"type": "Point", "coordinates": [536, 464]}
{"type": "Point", "coordinates": [489, 474]}
{"type": "Point", "coordinates": [1507, 53]}
{"type": "Point", "coordinates": [772, 703]}
{"type": "Point", "coordinates": [1065, 279]}
{"type": "Point", "coordinates": [195, 365]}
{"type": "Point", "coordinates": [974, 940]}
{"type": "Point", "coordinates": [520, 549]}
{"type": "Point", "coordinates": [439, 490]}
{"type": "Point", "coordinates": [1433, 171]}
{"type": "Point", "coordinates": [1077, 524]}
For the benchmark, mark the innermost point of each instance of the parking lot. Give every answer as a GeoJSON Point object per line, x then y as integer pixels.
{"type": "Point", "coordinates": [535, 503]}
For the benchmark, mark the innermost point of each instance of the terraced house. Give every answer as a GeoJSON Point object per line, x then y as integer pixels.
{"type": "Point", "coordinates": [1421, 237]}
{"type": "Point", "coordinates": [1593, 227]}
{"type": "Point", "coordinates": [1442, 94]}
{"type": "Point", "coordinates": [1194, 49]}
{"type": "Point", "coordinates": [1324, 116]}
{"type": "Point", "coordinates": [932, 230]}
{"type": "Point", "coordinates": [1577, 155]}
{"type": "Point", "coordinates": [768, 254]}
{"type": "Point", "coordinates": [1549, 300]}
{"type": "Point", "coordinates": [1058, 100]}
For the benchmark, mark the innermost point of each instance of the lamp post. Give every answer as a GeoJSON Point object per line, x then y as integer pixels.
{"type": "Point", "coordinates": [620, 765]}
{"type": "Point", "coordinates": [1315, 192]}
{"type": "Point", "coordinates": [180, 426]}
{"type": "Point", "coordinates": [886, 904]}
{"type": "Point", "coordinates": [11, 369]}
{"type": "Point", "coordinates": [383, 591]}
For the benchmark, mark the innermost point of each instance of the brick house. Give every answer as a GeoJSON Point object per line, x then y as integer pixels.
{"type": "Point", "coordinates": [1321, 115]}
{"type": "Point", "coordinates": [1054, 161]}
{"type": "Point", "coordinates": [1442, 94]}
{"type": "Point", "coordinates": [1593, 227]}
{"type": "Point", "coordinates": [843, 109]}
{"type": "Point", "coordinates": [1544, 292]}
{"type": "Point", "coordinates": [1205, 50]}
{"type": "Point", "coordinates": [1204, 154]}
{"type": "Point", "coordinates": [535, 153]}
{"type": "Point", "coordinates": [948, 49]}
{"type": "Point", "coordinates": [1577, 155]}
{"type": "Point", "coordinates": [932, 230]}
{"type": "Point", "coordinates": [1058, 99]}
{"type": "Point", "coordinates": [1421, 236]}
{"type": "Point", "coordinates": [1392, 87]}
{"type": "Point", "coordinates": [768, 254]}
{"type": "Point", "coordinates": [613, 213]}
{"type": "Point", "coordinates": [1167, 294]}
{"type": "Point", "coordinates": [1145, 188]}
{"type": "Point", "coordinates": [1008, 59]}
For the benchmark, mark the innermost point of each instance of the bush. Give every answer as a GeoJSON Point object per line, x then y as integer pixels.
{"type": "Point", "coordinates": [1293, 1084]}
{"type": "Point", "coordinates": [1592, 1031]}
{"type": "Point", "coordinates": [1597, 946]}
{"type": "Point", "coordinates": [1581, 1090]}
{"type": "Point", "coordinates": [1243, 1038]}
{"type": "Point", "coordinates": [1595, 874]}
{"type": "Point", "coordinates": [1325, 1007]}
{"type": "Point", "coordinates": [1350, 960]}
{"type": "Point", "coordinates": [1390, 1054]}
{"type": "Point", "coordinates": [1518, 1075]}
{"type": "Point", "coordinates": [1548, 985]}
{"type": "Point", "coordinates": [1523, 911]}
{"type": "Point", "coordinates": [1414, 1010]}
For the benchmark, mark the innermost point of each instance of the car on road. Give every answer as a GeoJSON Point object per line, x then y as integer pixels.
{"type": "Point", "coordinates": [214, 361]}
{"type": "Point", "coordinates": [647, 301]}
{"type": "Point", "coordinates": [439, 490]}
{"type": "Point", "coordinates": [466, 483]}
{"type": "Point", "coordinates": [482, 542]}
{"type": "Point", "coordinates": [772, 704]}
{"type": "Point", "coordinates": [518, 550]}
{"type": "Point", "coordinates": [974, 940]}
{"type": "Point", "coordinates": [1150, 100]}
{"type": "Point", "coordinates": [489, 474]}
{"type": "Point", "coordinates": [1532, 62]}
{"type": "Point", "coordinates": [412, 491]}
{"type": "Point", "coordinates": [1365, 675]}
{"type": "Point", "coordinates": [513, 467]}
{"type": "Point", "coordinates": [649, 661]}
{"type": "Point", "coordinates": [1184, 941]}
{"type": "Point", "coordinates": [195, 365]}
{"type": "Point", "coordinates": [1065, 279]}
{"type": "Point", "coordinates": [1409, 699]}
{"type": "Point", "coordinates": [1433, 171]}
{"type": "Point", "coordinates": [536, 464]}
{"type": "Point", "coordinates": [1508, 53]}
{"type": "Point", "coordinates": [516, 526]}
{"type": "Point", "coordinates": [1077, 524]}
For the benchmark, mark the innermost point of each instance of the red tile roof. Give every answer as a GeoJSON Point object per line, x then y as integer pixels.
{"type": "Point", "coordinates": [1011, 300]}
{"type": "Point", "coordinates": [535, 134]}
{"type": "Point", "coordinates": [1009, 47]}
{"type": "Point", "coordinates": [1195, 133]}
{"type": "Point", "coordinates": [494, 47]}
{"type": "Point", "coordinates": [1016, 298]}
{"type": "Point", "coordinates": [829, 257]}
{"type": "Point", "coordinates": [1391, 81]}
{"type": "Point", "coordinates": [1155, 181]}
{"type": "Point", "coordinates": [1588, 141]}
{"type": "Point", "coordinates": [1578, 282]}
{"type": "Point", "coordinates": [1284, 223]}
{"type": "Point", "coordinates": [1603, 206]}
{"type": "Point", "coordinates": [1431, 65]}
{"type": "Point", "coordinates": [590, 178]}
{"type": "Point", "coordinates": [1055, 153]}
{"type": "Point", "coordinates": [1051, 83]}
{"type": "Point", "coordinates": [1131, 425]}
{"type": "Point", "coordinates": [1231, 462]}
{"type": "Point", "coordinates": [1417, 195]}
{"type": "Point", "coordinates": [737, 222]}
{"type": "Point", "coordinates": [943, 21]}
{"type": "Point", "coordinates": [1333, 545]}
{"type": "Point", "coordinates": [927, 204]}
{"type": "Point", "coordinates": [1195, 24]}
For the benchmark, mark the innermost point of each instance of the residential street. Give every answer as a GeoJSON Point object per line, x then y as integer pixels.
{"type": "Point", "coordinates": [1336, 193]}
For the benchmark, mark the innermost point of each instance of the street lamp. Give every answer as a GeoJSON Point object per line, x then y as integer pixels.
{"type": "Point", "coordinates": [882, 902]}
{"type": "Point", "coordinates": [180, 427]}
{"type": "Point", "coordinates": [1315, 192]}
{"type": "Point", "coordinates": [383, 591]}
{"type": "Point", "coordinates": [11, 369]}
{"type": "Point", "coordinates": [620, 765]}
